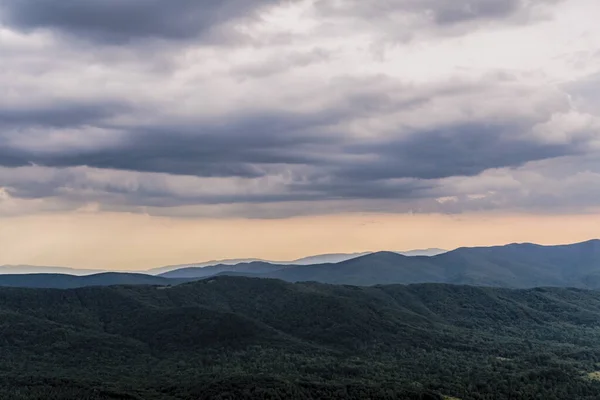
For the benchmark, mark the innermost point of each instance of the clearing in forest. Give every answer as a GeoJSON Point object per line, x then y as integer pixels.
{"type": "Point", "coordinates": [595, 376]}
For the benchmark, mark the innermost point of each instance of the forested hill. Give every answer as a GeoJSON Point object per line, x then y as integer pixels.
{"type": "Point", "coordinates": [66, 281]}
{"type": "Point", "coordinates": [233, 338]}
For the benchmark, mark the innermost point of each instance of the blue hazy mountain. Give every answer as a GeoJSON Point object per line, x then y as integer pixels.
{"type": "Point", "coordinates": [514, 266]}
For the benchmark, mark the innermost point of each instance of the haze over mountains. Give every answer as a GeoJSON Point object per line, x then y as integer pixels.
{"type": "Point", "coordinates": [317, 259]}
{"type": "Point", "coordinates": [512, 266]}
{"type": "Point", "coordinates": [36, 269]}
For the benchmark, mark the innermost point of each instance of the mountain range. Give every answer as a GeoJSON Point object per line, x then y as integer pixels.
{"type": "Point", "coordinates": [66, 281]}
{"type": "Point", "coordinates": [317, 259]}
{"type": "Point", "coordinates": [513, 266]}
{"type": "Point", "coordinates": [36, 269]}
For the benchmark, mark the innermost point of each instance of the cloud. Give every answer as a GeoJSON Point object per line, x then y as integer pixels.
{"type": "Point", "coordinates": [118, 22]}
{"type": "Point", "coordinates": [445, 13]}
{"type": "Point", "coordinates": [204, 172]}
{"type": "Point", "coordinates": [461, 150]}
{"type": "Point", "coordinates": [62, 114]}
{"type": "Point", "coordinates": [282, 63]}
{"type": "Point", "coordinates": [441, 11]}
{"type": "Point", "coordinates": [410, 19]}
{"type": "Point", "coordinates": [584, 92]}
{"type": "Point", "coordinates": [337, 140]}
{"type": "Point", "coordinates": [237, 147]}
{"type": "Point", "coordinates": [302, 117]}
{"type": "Point", "coordinates": [374, 140]}
{"type": "Point", "coordinates": [561, 185]}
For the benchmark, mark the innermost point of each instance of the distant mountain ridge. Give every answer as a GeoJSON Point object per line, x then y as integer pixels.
{"type": "Point", "coordinates": [254, 267]}
{"type": "Point", "coordinates": [523, 265]}
{"type": "Point", "coordinates": [182, 271]}
{"type": "Point", "coordinates": [516, 266]}
{"type": "Point", "coordinates": [65, 281]}
{"type": "Point", "coordinates": [317, 259]}
{"type": "Point", "coordinates": [32, 269]}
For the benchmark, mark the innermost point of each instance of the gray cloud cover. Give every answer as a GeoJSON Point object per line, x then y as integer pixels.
{"type": "Point", "coordinates": [443, 12]}
{"type": "Point", "coordinates": [312, 123]}
{"type": "Point", "coordinates": [118, 21]}
{"type": "Point", "coordinates": [62, 115]}
{"type": "Point", "coordinates": [405, 18]}
{"type": "Point", "coordinates": [246, 145]}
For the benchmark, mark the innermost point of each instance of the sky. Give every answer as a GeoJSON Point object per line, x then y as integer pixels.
{"type": "Point", "coordinates": [139, 133]}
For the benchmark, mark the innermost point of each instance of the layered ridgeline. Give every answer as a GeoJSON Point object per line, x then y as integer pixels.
{"type": "Point", "coordinates": [514, 266]}
{"type": "Point", "coordinates": [66, 281]}
{"type": "Point", "coordinates": [238, 338]}
{"type": "Point", "coordinates": [192, 268]}
{"type": "Point", "coordinates": [262, 266]}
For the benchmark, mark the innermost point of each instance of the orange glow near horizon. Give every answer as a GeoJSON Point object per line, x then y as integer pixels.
{"type": "Point", "coordinates": [130, 241]}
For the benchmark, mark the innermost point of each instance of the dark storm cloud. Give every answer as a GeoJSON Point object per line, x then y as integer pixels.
{"type": "Point", "coordinates": [459, 150]}
{"type": "Point", "coordinates": [302, 156]}
{"type": "Point", "coordinates": [118, 21]}
{"type": "Point", "coordinates": [63, 114]}
{"type": "Point", "coordinates": [76, 187]}
{"type": "Point", "coordinates": [396, 167]}
{"type": "Point", "coordinates": [339, 187]}
{"type": "Point", "coordinates": [166, 144]}
{"type": "Point", "coordinates": [32, 124]}
{"type": "Point", "coordinates": [246, 147]}
{"type": "Point", "coordinates": [308, 192]}
{"type": "Point", "coordinates": [238, 147]}
{"type": "Point", "coordinates": [121, 21]}
{"type": "Point", "coordinates": [11, 158]}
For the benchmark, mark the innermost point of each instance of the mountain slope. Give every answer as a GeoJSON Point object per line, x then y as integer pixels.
{"type": "Point", "coordinates": [169, 268]}
{"type": "Point", "coordinates": [229, 265]}
{"type": "Point", "coordinates": [516, 265]}
{"type": "Point", "coordinates": [261, 338]}
{"type": "Point", "coordinates": [63, 281]}
{"type": "Point", "coordinates": [255, 267]}
{"type": "Point", "coordinates": [260, 267]}
{"type": "Point", "coordinates": [422, 252]}
{"type": "Point", "coordinates": [372, 269]}
{"type": "Point", "coordinates": [187, 270]}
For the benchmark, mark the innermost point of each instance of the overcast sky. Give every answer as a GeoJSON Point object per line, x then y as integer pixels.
{"type": "Point", "coordinates": [293, 127]}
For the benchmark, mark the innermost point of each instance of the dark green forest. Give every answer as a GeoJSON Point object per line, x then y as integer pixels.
{"type": "Point", "coordinates": [243, 338]}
